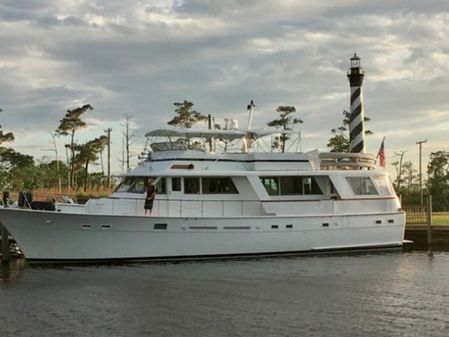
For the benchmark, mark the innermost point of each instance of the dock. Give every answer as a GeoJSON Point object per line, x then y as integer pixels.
{"type": "Point", "coordinates": [8, 246]}
{"type": "Point", "coordinates": [418, 233]}
{"type": "Point", "coordinates": [5, 243]}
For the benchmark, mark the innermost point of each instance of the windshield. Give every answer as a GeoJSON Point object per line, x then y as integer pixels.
{"type": "Point", "coordinates": [137, 185]}
{"type": "Point", "coordinates": [125, 184]}
{"type": "Point", "coordinates": [384, 185]}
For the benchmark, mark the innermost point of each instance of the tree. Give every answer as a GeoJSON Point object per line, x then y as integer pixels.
{"type": "Point", "coordinates": [438, 182]}
{"type": "Point", "coordinates": [411, 178]}
{"type": "Point", "coordinates": [51, 172]}
{"type": "Point", "coordinates": [68, 126]}
{"type": "Point", "coordinates": [340, 141]}
{"type": "Point", "coordinates": [399, 168]}
{"type": "Point", "coordinates": [5, 137]}
{"type": "Point", "coordinates": [286, 121]}
{"type": "Point", "coordinates": [18, 170]}
{"type": "Point", "coordinates": [128, 139]}
{"type": "Point", "coordinates": [186, 116]}
{"type": "Point", "coordinates": [88, 153]}
{"type": "Point", "coordinates": [407, 182]}
{"type": "Point", "coordinates": [9, 159]}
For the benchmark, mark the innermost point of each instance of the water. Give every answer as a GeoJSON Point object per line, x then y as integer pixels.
{"type": "Point", "coordinates": [373, 294]}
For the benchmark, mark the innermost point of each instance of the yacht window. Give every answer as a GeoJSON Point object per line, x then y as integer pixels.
{"type": "Point", "coordinates": [310, 186]}
{"type": "Point", "coordinates": [176, 184]}
{"type": "Point", "coordinates": [138, 186]}
{"type": "Point", "coordinates": [384, 185]}
{"type": "Point", "coordinates": [362, 185]}
{"type": "Point", "coordinates": [271, 184]}
{"type": "Point", "coordinates": [160, 186]}
{"type": "Point", "coordinates": [192, 185]}
{"type": "Point", "coordinates": [218, 185]}
{"type": "Point", "coordinates": [125, 184]}
{"type": "Point", "coordinates": [333, 191]}
{"type": "Point", "coordinates": [132, 185]}
{"type": "Point", "coordinates": [291, 185]}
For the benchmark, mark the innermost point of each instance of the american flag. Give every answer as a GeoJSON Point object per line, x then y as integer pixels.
{"type": "Point", "coordinates": [381, 154]}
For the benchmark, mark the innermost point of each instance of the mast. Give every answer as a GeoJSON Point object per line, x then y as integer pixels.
{"type": "Point", "coordinates": [246, 141]}
{"type": "Point", "coordinates": [250, 108]}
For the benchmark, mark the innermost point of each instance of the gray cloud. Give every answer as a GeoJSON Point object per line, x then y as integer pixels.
{"type": "Point", "coordinates": [140, 57]}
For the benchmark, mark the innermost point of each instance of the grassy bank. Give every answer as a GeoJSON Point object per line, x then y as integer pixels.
{"type": "Point", "coordinates": [440, 219]}
{"type": "Point", "coordinates": [76, 195]}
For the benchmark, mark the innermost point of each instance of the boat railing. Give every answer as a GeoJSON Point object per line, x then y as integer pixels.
{"type": "Point", "coordinates": [347, 161]}
{"type": "Point", "coordinates": [176, 207]}
{"type": "Point", "coordinates": [200, 208]}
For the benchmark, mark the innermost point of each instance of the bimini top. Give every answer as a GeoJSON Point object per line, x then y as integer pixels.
{"type": "Point", "coordinates": [208, 134]}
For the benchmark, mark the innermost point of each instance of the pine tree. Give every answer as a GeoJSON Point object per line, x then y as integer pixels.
{"type": "Point", "coordinates": [286, 121]}
{"type": "Point", "coordinates": [340, 141]}
{"type": "Point", "coordinates": [186, 117]}
{"type": "Point", "coordinates": [68, 126]}
{"type": "Point", "coordinates": [88, 153]}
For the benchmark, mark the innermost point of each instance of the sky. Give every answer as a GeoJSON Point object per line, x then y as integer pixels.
{"type": "Point", "coordinates": [137, 58]}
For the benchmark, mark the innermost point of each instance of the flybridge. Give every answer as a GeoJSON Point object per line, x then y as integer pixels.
{"type": "Point", "coordinates": [176, 138]}
{"type": "Point", "coordinates": [198, 161]}
{"type": "Point", "coordinates": [184, 153]}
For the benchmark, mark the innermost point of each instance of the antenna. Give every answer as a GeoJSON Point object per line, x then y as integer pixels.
{"type": "Point", "coordinates": [250, 108]}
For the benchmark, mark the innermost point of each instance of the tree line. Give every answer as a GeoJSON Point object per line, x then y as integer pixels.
{"type": "Point", "coordinates": [21, 172]}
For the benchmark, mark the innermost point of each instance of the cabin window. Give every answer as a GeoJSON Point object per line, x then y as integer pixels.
{"type": "Point", "coordinates": [271, 184]}
{"type": "Point", "coordinates": [132, 185]}
{"type": "Point", "coordinates": [219, 185]}
{"type": "Point", "coordinates": [383, 185]}
{"type": "Point", "coordinates": [160, 186]}
{"type": "Point", "coordinates": [362, 185]}
{"type": "Point", "coordinates": [176, 184]}
{"type": "Point", "coordinates": [192, 185]}
{"type": "Point", "coordinates": [290, 185]}
{"type": "Point", "coordinates": [138, 186]}
{"type": "Point", "coordinates": [310, 186]}
{"type": "Point", "coordinates": [125, 184]}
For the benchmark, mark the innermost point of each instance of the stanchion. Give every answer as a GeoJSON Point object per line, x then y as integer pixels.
{"type": "Point", "coordinates": [5, 244]}
{"type": "Point", "coordinates": [429, 220]}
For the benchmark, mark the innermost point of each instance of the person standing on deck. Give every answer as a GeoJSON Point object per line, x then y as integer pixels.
{"type": "Point", "coordinates": [150, 194]}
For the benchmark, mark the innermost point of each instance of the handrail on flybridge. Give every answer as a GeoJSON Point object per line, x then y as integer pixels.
{"type": "Point", "coordinates": [349, 161]}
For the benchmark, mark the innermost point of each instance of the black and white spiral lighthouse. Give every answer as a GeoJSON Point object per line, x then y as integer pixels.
{"type": "Point", "coordinates": [356, 119]}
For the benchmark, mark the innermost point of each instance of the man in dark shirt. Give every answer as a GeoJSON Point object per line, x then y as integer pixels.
{"type": "Point", "coordinates": [150, 194]}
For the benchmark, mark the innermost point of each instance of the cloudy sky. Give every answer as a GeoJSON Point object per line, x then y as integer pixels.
{"type": "Point", "coordinates": [138, 57]}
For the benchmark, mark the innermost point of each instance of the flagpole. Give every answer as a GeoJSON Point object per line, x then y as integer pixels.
{"type": "Point", "coordinates": [381, 149]}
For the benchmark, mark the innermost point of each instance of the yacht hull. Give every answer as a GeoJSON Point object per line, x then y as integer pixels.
{"type": "Point", "coordinates": [46, 235]}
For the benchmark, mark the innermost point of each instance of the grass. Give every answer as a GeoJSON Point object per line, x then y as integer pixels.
{"type": "Point", "coordinates": [440, 219]}
{"type": "Point", "coordinates": [50, 193]}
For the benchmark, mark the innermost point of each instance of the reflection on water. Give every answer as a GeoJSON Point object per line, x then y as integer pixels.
{"type": "Point", "coordinates": [371, 294]}
{"type": "Point", "coordinates": [12, 271]}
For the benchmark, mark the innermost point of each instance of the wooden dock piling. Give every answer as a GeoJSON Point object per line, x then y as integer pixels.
{"type": "Point", "coordinates": [429, 220]}
{"type": "Point", "coordinates": [5, 243]}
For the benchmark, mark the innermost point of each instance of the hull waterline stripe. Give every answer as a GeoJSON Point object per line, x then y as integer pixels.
{"type": "Point", "coordinates": [312, 251]}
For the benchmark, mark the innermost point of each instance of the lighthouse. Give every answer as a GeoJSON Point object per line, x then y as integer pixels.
{"type": "Point", "coordinates": [356, 119]}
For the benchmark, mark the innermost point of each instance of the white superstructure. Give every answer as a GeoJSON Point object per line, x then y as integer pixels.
{"type": "Point", "coordinates": [216, 204]}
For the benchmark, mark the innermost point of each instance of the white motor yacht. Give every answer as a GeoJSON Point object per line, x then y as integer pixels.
{"type": "Point", "coordinates": [211, 204]}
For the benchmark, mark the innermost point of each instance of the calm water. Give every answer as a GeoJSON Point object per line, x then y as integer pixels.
{"type": "Point", "coordinates": [375, 294]}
